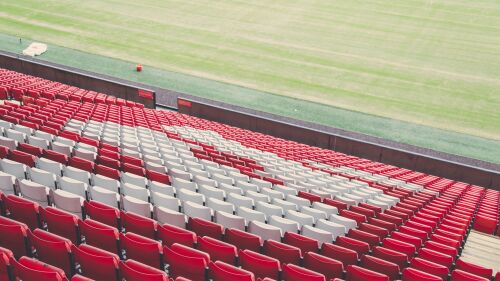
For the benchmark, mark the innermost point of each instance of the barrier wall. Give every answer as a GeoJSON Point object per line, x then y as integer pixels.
{"type": "Point", "coordinates": [356, 147]}
{"type": "Point", "coordinates": [76, 78]}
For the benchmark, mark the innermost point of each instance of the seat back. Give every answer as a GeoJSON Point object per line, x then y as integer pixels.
{"type": "Point", "coordinates": [356, 273]}
{"type": "Point", "coordinates": [220, 271]}
{"type": "Point", "coordinates": [296, 273]}
{"type": "Point", "coordinates": [96, 263]}
{"type": "Point", "coordinates": [102, 213]}
{"type": "Point", "coordinates": [132, 270]}
{"type": "Point", "coordinates": [100, 235]}
{"type": "Point", "coordinates": [205, 228]}
{"type": "Point", "coordinates": [23, 210]}
{"type": "Point", "coordinates": [138, 224]}
{"type": "Point", "coordinates": [170, 234]}
{"type": "Point", "coordinates": [243, 240]}
{"type": "Point", "coordinates": [142, 249]}
{"type": "Point", "coordinates": [218, 250]}
{"type": "Point", "coordinates": [329, 267]}
{"type": "Point", "coordinates": [283, 252]}
{"type": "Point", "coordinates": [52, 249]}
{"type": "Point", "coordinates": [31, 269]}
{"type": "Point", "coordinates": [262, 266]}
{"type": "Point", "coordinates": [186, 262]}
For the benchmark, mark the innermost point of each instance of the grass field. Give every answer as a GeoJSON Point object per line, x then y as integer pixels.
{"type": "Point", "coordinates": [432, 63]}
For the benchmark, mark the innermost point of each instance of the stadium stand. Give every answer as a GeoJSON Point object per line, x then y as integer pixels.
{"type": "Point", "coordinates": [98, 188]}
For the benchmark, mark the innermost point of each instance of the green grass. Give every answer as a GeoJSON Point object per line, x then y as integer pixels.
{"type": "Point", "coordinates": [431, 63]}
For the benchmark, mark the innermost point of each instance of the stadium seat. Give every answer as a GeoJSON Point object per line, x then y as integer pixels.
{"type": "Point", "coordinates": [218, 250]}
{"type": "Point", "coordinates": [344, 255]}
{"type": "Point", "coordinates": [142, 249]}
{"type": "Point", "coordinates": [381, 266]}
{"type": "Point", "coordinates": [411, 274]}
{"type": "Point", "coordinates": [30, 269]}
{"type": "Point", "coordinates": [103, 213]}
{"type": "Point", "coordinates": [22, 210]}
{"type": "Point", "coordinates": [186, 262]}
{"type": "Point", "coordinates": [330, 268]}
{"type": "Point", "coordinates": [132, 270]}
{"type": "Point", "coordinates": [262, 266]}
{"type": "Point", "coordinates": [459, 275]}
{"type": "Point", "coordinates": [474, 269]}
{"type": "Point", "coordinates": [14, 237]}
{"type": "Point", "coordinates": [138, 224]}
{"type": "Point", "coordinates": [95, 263]}
{"type": "Point", "coordinates": [243, 240]}
{"type": "Point", "coordinates": [220, 271]}
{"type": "Point", "coordinates": [52, 249]}
{"type": "Point", "coordinates": [356, 273]}
{"type": "Point", "coordinates": [170, 234]}
{"type": "Point", "coordinates": [430, 267]}
{"type": "Point", "coordinates": [283, 252]}
{"type": "Point", "coordinates": [205, 228]}
{"type": "Point", "coordinates": [100, 235]}
{"type": "Point", "coordinates": [296, 273]}
{"type": "Point", "coordinates": [305, 244]}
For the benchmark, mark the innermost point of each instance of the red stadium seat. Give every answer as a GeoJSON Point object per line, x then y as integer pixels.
{"type": "Point", "coordinates": [400, 246]}
{"type": "Point", "coordinates": [243, 240]}
{"type": "Point", "coordinates": [371, 239]}
{"type": "Point", "coordinates": [218, 250]}
{"type": "Point", "coordinates": [373, 229]}
{"type": "Point", "coordinates": [55, 156]}
{"type": "Point", "coordinates": [139, 224]}
{"type": "Point", "coordinates": [14, 236]}
{"type": "Point", "coordinates": [52, 249]}
{"type": "Point", "coordinates": [282, 252]}
{"type": "Point", "coordinates": [436, 257]}
{"type": "Point", "coordinates": [359, 246]}
{"type": "Point", "coordinates": [304, 243]}
{"type": "Point", "coordinates": [359, 218]}
{"type": "Point", "coordinates": [220, 271]}
{"type": "Point", "coordinates": [31, 269]}
{"type": "Point", "coordinates": [345, 255]}
{"type": "Point", "coordinates": [30, 149]}
{"type": "Point", "coordinates": [130, 168]}
{"type": "Point", "coordinates": [474, 269]}
{"type": "Point", "coordinates": [411, 274]}
{"type": "Point", "coordinates": [158, 177]}
{"type": "Point", "coordinates": [102, 213]}
{"type": "Point", "coordinates": [107, 172]}
{"type": "Point", "coordinates": [391, 256]}
{"type": "Point", "coordinates": [205, 228]}
{"type": "Point", "coordinates": [22, 210]}
{"type": "Point", "coordinates": [82, 164]}
{"type": "Point", "coordinates": [170, 234]}
{"type": "Point", "coordinates": [95, 263]}
{"type": "Point", "coordinates": [108, 162]}
{"type": "Point", "coordinates": [61, 223]}
{"type": "Point", "coordinates": [459, 275]}
{"type": "Point", "coordinates": [132, 270]}
{"type": "Point", "coordinates": [296, 273]}
{"type": "Point", "coordinates": [329, 267]}
{"type": "Point", "coordinates": [23, 157]}
{"type": "Point", "coordinates": [187, 262]}
{"type": "Point", "coordinates": [382, 266]}
{"type": "Point", "coordinates": [262, 266]}
{"type": "Point", "coordinates": [100, 235]}
{"type": "Point", "coordinates": [430, 267]}
{"type": "Point", "coordinates": [142, 249]}
{"type": "Point", "coordinates": [356, 273]}
{"type": "Point", "coordinates": [5, 267]}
